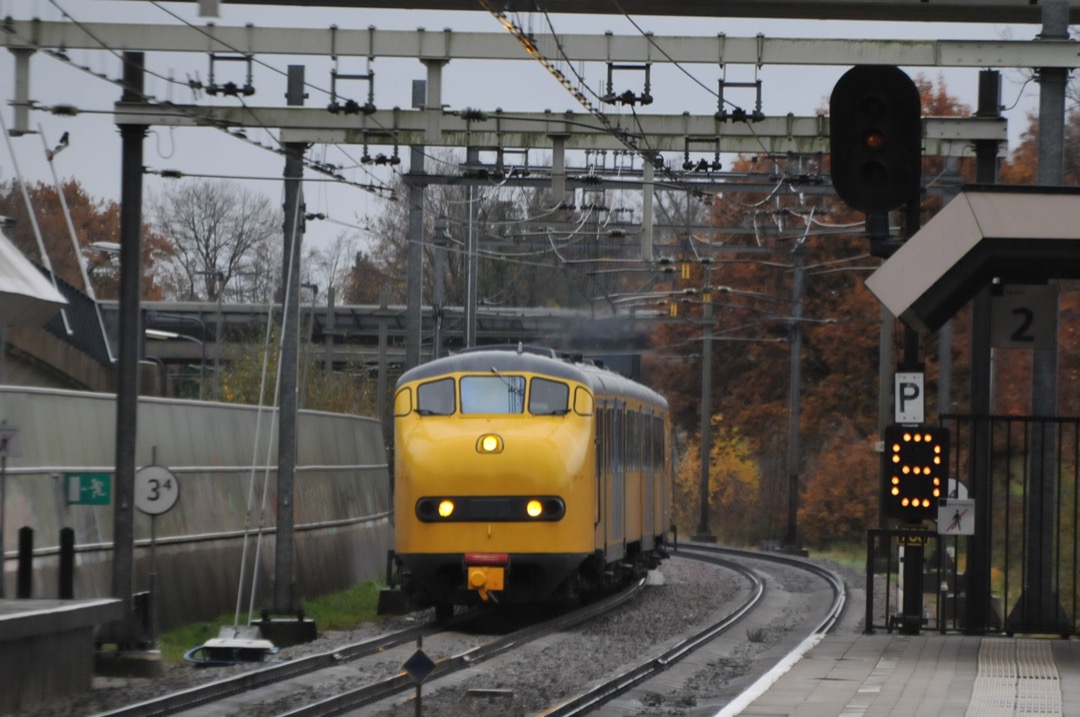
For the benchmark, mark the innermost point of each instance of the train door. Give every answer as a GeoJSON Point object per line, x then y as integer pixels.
{"type": "Point", "coordinates": [616, 532]}
{"type": "Point", "coordinates": [603, 463]}
{"type": "Point", "coordinates": [649, 480]}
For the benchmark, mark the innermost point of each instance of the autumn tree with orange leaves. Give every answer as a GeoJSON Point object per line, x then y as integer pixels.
{"type": "Point", "coordinates": [93, 221]}
{"type": "Point", "coordinates": [748, 281]}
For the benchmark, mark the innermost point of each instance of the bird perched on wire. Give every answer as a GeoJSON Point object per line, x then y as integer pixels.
{"type": "Point", "coordinates": [49, 154]}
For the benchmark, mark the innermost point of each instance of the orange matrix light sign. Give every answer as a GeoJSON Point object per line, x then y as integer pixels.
{"type": "Point", "coordinates": [916, 471]}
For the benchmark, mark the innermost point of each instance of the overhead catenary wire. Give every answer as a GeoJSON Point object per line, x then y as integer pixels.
{"type": "Point", "coordinates": [619, 133]}
{"type": "Point", "coordinates": [323, 168]}
{"type": "Point", "coordinates": [209, 122]}
{"type": "Point", "coordinates": [150, 99]}
{"type": "Point", "coordinates": [310, 85]}
{"type": "Point", "coordinates": [649, 37]}
{"type": "Point", "coordinates": [676, 182]}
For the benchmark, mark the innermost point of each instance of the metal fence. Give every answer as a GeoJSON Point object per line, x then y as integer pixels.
{"type": "Point", "coordinates": [943, 583]}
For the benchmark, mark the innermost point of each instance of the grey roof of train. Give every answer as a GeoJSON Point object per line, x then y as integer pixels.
{"type": "Point", "coordinates": [601, 380]}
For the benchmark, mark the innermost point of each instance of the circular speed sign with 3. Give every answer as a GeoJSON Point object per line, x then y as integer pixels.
{"type": "Point", "coordinates": [156, 489]}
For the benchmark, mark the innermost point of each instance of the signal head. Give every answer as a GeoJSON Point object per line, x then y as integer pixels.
{"type": "Point", "coordinates": [875, 138]}
{"type": "Point", "coordinates": [915, 470]}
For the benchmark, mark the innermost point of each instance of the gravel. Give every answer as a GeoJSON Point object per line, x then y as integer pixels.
{"type": "Point", "coordinates": [687, 595]}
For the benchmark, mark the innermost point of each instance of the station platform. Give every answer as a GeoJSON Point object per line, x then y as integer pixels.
{"type": "Point", "coordinates": [47, 648]}
{"type": "Point", "coordinates": [846, 674]}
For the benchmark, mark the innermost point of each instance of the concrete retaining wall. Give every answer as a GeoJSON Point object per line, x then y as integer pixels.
{"type": "Point", "coordinates": [341, 498]}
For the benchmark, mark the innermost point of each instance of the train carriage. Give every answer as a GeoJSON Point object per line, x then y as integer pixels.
{"type": "Point", "coordinates": [524, 477]}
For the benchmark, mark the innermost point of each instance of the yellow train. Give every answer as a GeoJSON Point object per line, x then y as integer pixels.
{"type": "Point", "coordinates": [524, 477]}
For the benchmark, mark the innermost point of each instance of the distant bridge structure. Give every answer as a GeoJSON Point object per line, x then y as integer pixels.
{"type": "Point", "coordinates": [366, 335]}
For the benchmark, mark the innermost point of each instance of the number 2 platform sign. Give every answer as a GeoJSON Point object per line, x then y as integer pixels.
{"type": "Point", "coordinates": [1023, 316]}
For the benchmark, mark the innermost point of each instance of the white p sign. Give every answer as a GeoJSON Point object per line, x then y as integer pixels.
{"type": "Point", "coordinates": [910, 400]}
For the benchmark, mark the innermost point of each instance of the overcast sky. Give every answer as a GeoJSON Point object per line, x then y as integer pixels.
{"type": "Point", "coordinates": [93, 156]}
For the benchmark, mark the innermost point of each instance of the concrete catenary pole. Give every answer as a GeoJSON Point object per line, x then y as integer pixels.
{"type": "Point", "coordinates": [791, 536]}
{"type": "Point", "coordinates": [986, 172]}
{"type": "Point", "coordinates": [284, 593]}
{"type": "Point", "coordinates": [415, 180]}
{"type": "Point", "coordinates": [1038, 606]}
{"type": "Point", "coordinates": [127, 390]}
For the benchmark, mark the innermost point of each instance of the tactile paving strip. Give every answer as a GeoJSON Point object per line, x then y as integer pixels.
{"type": "Point", "coordinates": [1015, 677]}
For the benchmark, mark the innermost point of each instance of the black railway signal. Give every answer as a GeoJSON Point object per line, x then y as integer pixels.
{"type": "Point", "coordinates": [916, 471]}
{"type": "Point", "coordinates": [875, 138]}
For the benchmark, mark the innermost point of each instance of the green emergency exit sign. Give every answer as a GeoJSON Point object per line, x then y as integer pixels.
{"type": "Point", "coordinates": [89, 488]}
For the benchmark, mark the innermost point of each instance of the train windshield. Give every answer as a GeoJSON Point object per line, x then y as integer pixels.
{"type": "Point", "coordinates": [548, 398]}
{"type": "Point", "coordinates": [436, 397]}
{"type": "Point", "coordinates": [492, 394]}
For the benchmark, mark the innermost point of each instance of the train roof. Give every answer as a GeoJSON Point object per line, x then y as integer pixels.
{"type": "Point", "coordinates": [542, 361]}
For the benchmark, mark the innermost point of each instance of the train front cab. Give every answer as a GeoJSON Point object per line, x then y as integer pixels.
{"type": "Point", "coordinates": [491, 545]}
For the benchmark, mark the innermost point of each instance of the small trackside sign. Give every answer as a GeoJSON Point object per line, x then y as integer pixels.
{"type": "Point", "coordinates": [89, 488]}
{"type": "Point", "coordinates": [956, 516]}
{"type": "Point", "coordinates": [419, 666]}
{"type": "Point", "coordinates": [909, 398]}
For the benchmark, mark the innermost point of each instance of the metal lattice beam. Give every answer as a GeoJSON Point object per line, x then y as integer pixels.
{"type": "Point", "coordinates": [943, 136]}
{"type": "Point", "coordinates": [450, 45]}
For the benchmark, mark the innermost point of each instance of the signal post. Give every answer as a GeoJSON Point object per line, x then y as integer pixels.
{"type": "Point", "coordinates": [875, 138]}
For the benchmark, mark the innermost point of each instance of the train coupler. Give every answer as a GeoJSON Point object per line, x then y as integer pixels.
{"type": "Point", "coordinates": [485, 579]}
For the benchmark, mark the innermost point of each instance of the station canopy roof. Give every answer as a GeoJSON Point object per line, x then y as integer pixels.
{"type": "Point", "coordinates": [1018, 235]}
{"type": "Point", "coordinates": [27, 298]}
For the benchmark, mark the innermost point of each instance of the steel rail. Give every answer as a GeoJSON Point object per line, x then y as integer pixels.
{"type": "Point", "coordinates": [594, 697]}
{"type": "Point", "coordinates": [836, 609]}
{"type": "Point", "coordinates": [601, 693]}
{"type": "Point", "coordinates": [401, 682]}
{"type": "Point", "coordinates": [203, 694]}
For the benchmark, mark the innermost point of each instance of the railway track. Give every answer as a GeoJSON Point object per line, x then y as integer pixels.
{"type": "Point", "coordinates": [588, 701]}
{"type": "Point", "coordinates": [246, 692]}
{"type": "Point", "coordinates": [836, 608]}
{"type": "Point", "coordinates": [400, 683]}
{"type": "Point", "coordinates": [275, 673]}
{"type": "Point", "coordinates": [278, 673]}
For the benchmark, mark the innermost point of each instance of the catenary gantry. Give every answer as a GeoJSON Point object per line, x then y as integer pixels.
{"type": "Point", "coordinates": [1011, 11]}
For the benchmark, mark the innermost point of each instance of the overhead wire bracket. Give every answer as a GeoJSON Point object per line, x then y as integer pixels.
{"type": "Point", "coordinates": [628, 97]}
{"type": "Point", "coordinates": [230, 89]}
{"type": "Point", "coordinates": [738, 114]}
{"type": "Point", "coordinates": [702, 165]}
{"type": "Point", "coordinates": [351, 106]}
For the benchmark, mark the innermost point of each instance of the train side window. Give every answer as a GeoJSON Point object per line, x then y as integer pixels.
{"type": "Point", "coordinates": [583, 402]}
{"type": "Point", "coordinates": [548, 398]}
{"type": "Point", "coordinates": [499, 394]}
{"type": "Point", "coordinates": [435, 398]}
{"type": "Point", "coordinates": [403, 402]}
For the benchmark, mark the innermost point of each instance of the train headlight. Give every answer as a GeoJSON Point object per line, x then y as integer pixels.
{"type": "Point", "coordinates": [551, 508]}
{"type": "Point", "coordinates": [490, 509]}
{"type": "Point", "coordinates": [489, 443]}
